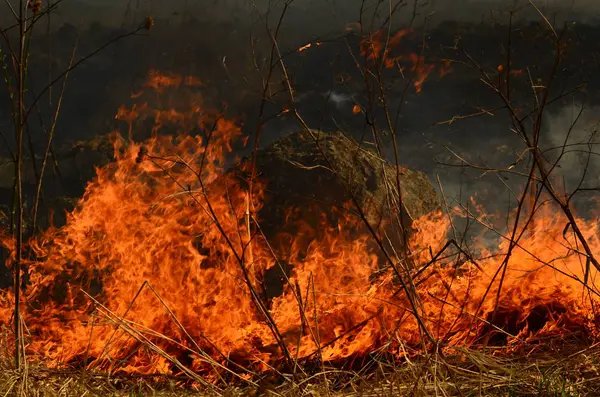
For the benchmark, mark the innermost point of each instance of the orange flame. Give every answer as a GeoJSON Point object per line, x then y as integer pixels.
{"type": "Point", "coordinates": [378, 46]}
{"type": "Point", "coordinates": [513, 72]}
{"type": "Point", "coordinates": [159, 259]}
{"type": "Point", "coordinates": [159, 81]}
{"type": "Point", "coordinates": [307, 46]}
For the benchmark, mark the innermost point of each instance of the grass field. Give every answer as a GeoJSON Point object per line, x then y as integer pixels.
{"type": "Point", "coordinates": [551, 368]}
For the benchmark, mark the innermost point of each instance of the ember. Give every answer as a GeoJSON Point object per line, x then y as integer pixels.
{"type": "Point", "coordinates": [379, 48]}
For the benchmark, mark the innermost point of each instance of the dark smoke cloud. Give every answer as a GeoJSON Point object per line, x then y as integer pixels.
{"type": "Point", "coordinates": [318, 15]}
{"type": "Point", "coordinates": [195, 37]}
{"type": "Point", "coordinates": [315, 17]}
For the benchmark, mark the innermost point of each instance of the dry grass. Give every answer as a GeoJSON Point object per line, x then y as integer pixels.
{"type": "Point", "coordinates": [554, 370]}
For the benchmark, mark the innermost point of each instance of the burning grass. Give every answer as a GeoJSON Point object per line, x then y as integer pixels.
{"type": "Point", "coordinates": [157, 275]}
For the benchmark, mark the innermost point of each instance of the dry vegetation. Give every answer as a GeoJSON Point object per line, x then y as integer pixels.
{"type": "Point", "coordinates": [553, 372]}
{"type": "Point", "coordinates": [537, 367]}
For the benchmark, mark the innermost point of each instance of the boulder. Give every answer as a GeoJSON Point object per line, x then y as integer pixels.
{"type": "Point", "coordinates": [300, 170]}
{"type": "Point", "coordinates": [326, 178]}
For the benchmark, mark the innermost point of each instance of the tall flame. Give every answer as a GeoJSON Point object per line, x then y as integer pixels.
{"type": "Point", "coordinates": [160, 259]}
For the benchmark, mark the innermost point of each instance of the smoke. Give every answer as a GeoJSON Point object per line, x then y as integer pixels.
{"type": "Point", "coordinates": [572, 144]}
{"type": "Point", "coordinates": [316, 17]}
{"type": "Point", "coordinates": [199, 37]}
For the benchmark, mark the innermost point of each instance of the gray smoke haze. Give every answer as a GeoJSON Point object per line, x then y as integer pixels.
{"type": "Point", "coordinates": [324, 12]}
{"type": "Point", "coordinates": [195, 36]}
{"type": "Point", "coordinates": [576, 129]}
{"type": "Point", "coordinates": [316, 17]}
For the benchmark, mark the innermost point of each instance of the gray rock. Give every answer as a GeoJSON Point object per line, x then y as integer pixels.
{"type": "Point", "coordinates": [316, 177]}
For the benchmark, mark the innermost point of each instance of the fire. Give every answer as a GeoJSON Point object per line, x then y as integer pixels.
{"type": "Point", "coordinates": [159, 268]}
{"type": "Point", "coordinates": [513, 72]}
{"type": "Point", "coordinates": [307, 46]}
{"type": "Point", "coordinates": [159, 81]}
{"type": "Point", "coordinates": [378, 47]}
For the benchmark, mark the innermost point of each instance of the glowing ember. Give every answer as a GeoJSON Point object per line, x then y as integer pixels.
{"type": "Point", "coordinates": [160, 81]}
{"type": "Point", "coordinates": [513, 72]}
{"type": "Point", "coordinates": [307, 46]}
{"type": "Point", "coordinates": [156, 264]}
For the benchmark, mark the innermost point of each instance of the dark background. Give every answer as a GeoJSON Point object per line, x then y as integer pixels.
{"type": "Point", "coordinates": [198, 37]}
